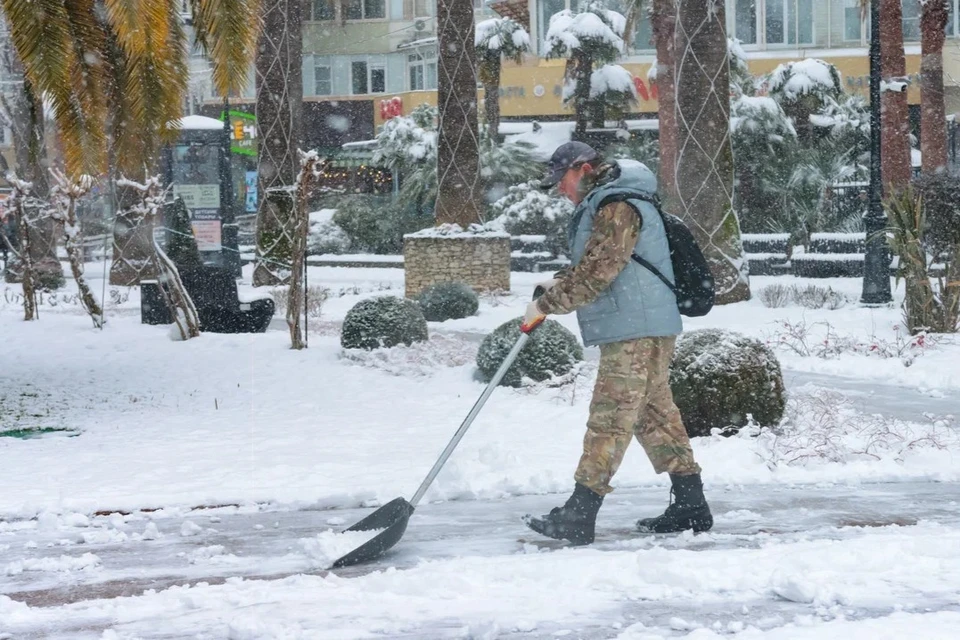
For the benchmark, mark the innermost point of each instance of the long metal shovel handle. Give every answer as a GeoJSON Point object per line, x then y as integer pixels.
{"type": "Point", "coordinates": [497, 377]}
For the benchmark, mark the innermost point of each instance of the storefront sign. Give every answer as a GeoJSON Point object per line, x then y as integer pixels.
{"type": "Point", "coordinates": [243, 132]}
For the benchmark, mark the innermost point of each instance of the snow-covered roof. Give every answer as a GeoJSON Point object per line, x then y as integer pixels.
{"type": "Point", "coordinates": [197, 123]}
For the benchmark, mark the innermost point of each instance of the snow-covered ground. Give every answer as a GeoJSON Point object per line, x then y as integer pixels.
{"type": "Point", "coordinates": [244, 421]}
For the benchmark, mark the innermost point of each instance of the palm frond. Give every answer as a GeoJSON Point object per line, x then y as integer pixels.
{"type": "Point", "coordinates": [150, 67]}
{"type": "Point", "coordinates": [227, 31]}
{"type": "Point", "coordinates": [58, 41]}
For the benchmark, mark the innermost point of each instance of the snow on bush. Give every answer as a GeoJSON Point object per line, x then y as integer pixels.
{"type": "Point", "coordinates": [551, 351]}
{"type": "Point", "coordinates": [453, 230]}
{"type": "Point", "coordinates": [821, 340]}
{"type": "Point", "coordinates": [383, 322]}
{"type": "Point", "coordinates": [448, 301]}
{"type": "Point", "coordinates": [326, 236]}
{"type": "Point", "coordinates": [721, 378]}
{"type": "Point", "coordinates": [528, 210]}
{"type": "Point", "coordinates": [793, 80]}
{"type": "Point", "coordinates": [375, 224]}
{"type": "Point", "coordinates": [825, 427]}
{"type": "Point", "coordinates": [751, 115]}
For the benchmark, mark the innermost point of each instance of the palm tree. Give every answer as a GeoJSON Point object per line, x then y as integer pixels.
{"type": "Point", "coordinates": [895, 124]}
{"type": "Point", "coordinates": [664, 22]}
{"type": "Point", "coordinates": [459, 187]}
{"type": "Point", "coordinates": [115, 74]}
{"type": "Point", "coordinates": [933, 119]}
{"type": "Point", "coordinates": [496, 39]}
{"type": "Point", "coordinates": [705, 162]}
{"type": "Point", "coordinates": [279, 118]}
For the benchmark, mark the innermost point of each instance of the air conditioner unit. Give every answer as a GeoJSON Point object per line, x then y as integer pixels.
{"type": "Point", "coordinates": [420, 25]}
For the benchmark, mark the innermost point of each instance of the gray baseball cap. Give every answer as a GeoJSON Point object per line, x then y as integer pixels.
{"type": "Point", "coordinates": [567, 156]}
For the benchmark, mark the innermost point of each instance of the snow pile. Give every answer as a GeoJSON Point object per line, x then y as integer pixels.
{"type": "Point", "coordinates": [568, 30]}
{"type": "Point", "coordinates": [61, 564]}
{"type": "Point", "coordinates": [438, 354]}
{"type": "Point", "coordinates": [329, 546]}
{"type": "Point", "coordinates": [804, 77]}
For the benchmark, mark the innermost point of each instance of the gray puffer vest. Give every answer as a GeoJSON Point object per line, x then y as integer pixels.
{"type": "Point", "coordinates": [637, 304]}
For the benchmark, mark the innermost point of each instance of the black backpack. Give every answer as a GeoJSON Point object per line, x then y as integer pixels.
{"type": "Point", "coordinates": [694, 287]}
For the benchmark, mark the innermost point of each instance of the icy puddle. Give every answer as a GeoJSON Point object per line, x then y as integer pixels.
{"type": "Point", "coordinates": [329, 546]}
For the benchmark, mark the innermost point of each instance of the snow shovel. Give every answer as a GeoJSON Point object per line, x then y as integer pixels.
{"type": "Point", "coordinates": [392, 517]}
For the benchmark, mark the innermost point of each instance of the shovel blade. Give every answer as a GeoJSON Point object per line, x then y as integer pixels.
{"type": "Point", "coordinates": [392, 518]}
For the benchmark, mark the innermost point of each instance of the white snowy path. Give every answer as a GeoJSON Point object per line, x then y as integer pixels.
{"type": "Point", "coordinates": [864, 546]}
{"type": "Point", "coordinates": [777, 555]}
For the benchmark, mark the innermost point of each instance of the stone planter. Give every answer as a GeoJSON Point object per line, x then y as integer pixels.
{"type": "Point", "coordinates": [478, 260]}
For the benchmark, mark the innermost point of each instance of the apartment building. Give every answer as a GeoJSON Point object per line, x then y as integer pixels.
{"type": "Point", "coordinates": [360, 53]}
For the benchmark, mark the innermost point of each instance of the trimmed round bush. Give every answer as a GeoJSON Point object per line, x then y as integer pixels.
{"type": "Point", "coordinates": [448, 301]}
{"type": "Point", "coordinates": [550, 351]}
{"type": "Point", "coordinates": [719, 377]}
{"type": "Point", "coordinates": [383, 322]}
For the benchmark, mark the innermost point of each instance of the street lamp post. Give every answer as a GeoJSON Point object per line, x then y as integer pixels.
{"type": "Point", "coordinates": [230, 252]}
{"type": "Point", "coordinates": [876, 274]}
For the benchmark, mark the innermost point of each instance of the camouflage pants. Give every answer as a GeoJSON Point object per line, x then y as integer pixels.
{"type": "Point", "coordinates": [632, 397]}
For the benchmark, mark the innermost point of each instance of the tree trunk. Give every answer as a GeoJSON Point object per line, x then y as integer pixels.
{"type": "Point", "coordinates": [309, 171]}
{"type": "Point", "coordinates": [26, 260]}
{"type": "Point", "coordinates": [933, 119]}
{"type": "Point", "coordinates": [705, 163]}
{"type": "Point", "coordinates": [29, 143]}
{"type": "Point", "coordinates": [133, 250]}
{"type": "Point", "coordinates": [895, 123]}
{"type": "Point", "coordinates": [459, 194]}
{"type": "Point", "coordinates": [582, 68]}
{"type": "Point", "coordinates": [279, 106]}
{"type": "Point", "coordinates": [66, 205]}
{"type": "Point", "coordinates": [491, 93]}
{"type": "Point", "coordinates": [664, 20]}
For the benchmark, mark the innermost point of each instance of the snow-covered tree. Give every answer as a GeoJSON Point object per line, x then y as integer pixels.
{"type": "Point", "coordinates": [612, 93]}
{"type": "Point", "coordinates": [408, 145]}
{"type": "Point", "coordinates": [406, 142]}
{"type": "Point", "coordinates": [497, 39]}
{"type": "Point", "coordinates": [588, 38]}
{"type": "Point", "coordinates": [742, 82]}
{"type": "Point", "coordinates": [527, 210]}
{"type": "Point", "coordinates": [802, 88]}
{"type": "Point", "coordinates": [764, 147]}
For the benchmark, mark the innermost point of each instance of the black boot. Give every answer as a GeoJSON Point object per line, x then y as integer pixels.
{"type": "Point", "coordinates": [574, 521]}
{"type": "Point", "coordinates": [688, 510]}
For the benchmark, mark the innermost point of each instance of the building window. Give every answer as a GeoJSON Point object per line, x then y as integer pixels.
{"type": "Point", "coordinates": [378, 79]}
{"type": "Point", "coordinates": [323, 10]}
{"type": "Point", "coordinates": [423, 8]}
{"type": "Point", "coordinates": [323, 80]}
{"type": "Point", "coordinates": [643, 36]}
{"type": "Point", "coordinates": [422, 69]}
{"type": "Point", "coordinates": [788, 21]}
{"type": "Point", "coordinates": [547, 9]}
{"type": "Point", "coordinates": [854, 24]}
{"type": "Point", "coordinates": [911, 20]}
{"type": "Point", "coordinates": [366, 9]}
{"type": "Point", "coordinates": [745, 21]}
{"type": "Point", "coordinates": [358, 75]}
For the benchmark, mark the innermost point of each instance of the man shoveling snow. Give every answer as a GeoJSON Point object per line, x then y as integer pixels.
{"type": "Point", "coordinates": [626, 309]}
